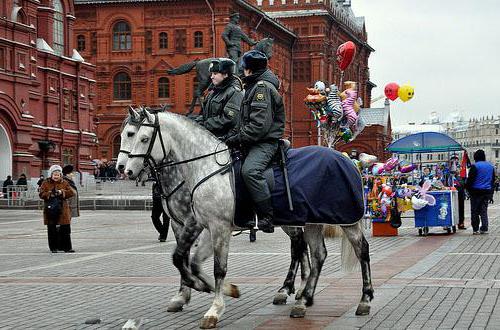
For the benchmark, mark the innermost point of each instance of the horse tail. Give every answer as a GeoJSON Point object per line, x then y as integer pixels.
{"type": "Point", "coordinates": [184, 68]}
{"type": "Point", "coordinates": [331, 231]}
{"type": "Point", "coordinates": [348, 258]}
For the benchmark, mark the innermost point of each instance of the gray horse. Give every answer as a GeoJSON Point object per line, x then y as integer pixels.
{"type": "Point", "coordinates": [177, 207]}
{"type": "Point", "coordinates": [203, 159]}
{"type": "Point", "coordinates": [203, 76]}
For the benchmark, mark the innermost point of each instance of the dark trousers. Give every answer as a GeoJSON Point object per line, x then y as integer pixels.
{"type": "Point", "coordinates": [257, 161]}
{"type": "Point", "coordinates": [461, 206]}
{"type": "Point", "coordinates": [156, 214]}
{"type": "Point", "coordinates": [479, 209]}
{"type": "Point", "coordinates": [59, 237]}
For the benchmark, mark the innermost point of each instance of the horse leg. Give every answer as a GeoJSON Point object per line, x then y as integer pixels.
{"type": "Point", "coordinates": [203, 252]}
{"type": "Point", "coordinates": [221, 234]}
{"type": "Point", "coordinates": [183, 296]}
{"type": "Point", "coordinates": [180, 256]}
{"type": "Point", "coordinates": [298, 255]}
{"type": "Point", "coordinates": [313, 235]}
{"type": "Point", "coordinates": [361, 248]}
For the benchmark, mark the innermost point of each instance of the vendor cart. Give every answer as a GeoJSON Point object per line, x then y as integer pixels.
{"type": "Point", "coordinates": [443, 214]}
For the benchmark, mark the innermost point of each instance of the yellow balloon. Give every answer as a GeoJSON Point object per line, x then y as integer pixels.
{"type": "Point", "coordinates": [406, 92]}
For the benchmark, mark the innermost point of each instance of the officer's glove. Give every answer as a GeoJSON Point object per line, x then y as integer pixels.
{"type": "Point", "coordinates": [233, 141]}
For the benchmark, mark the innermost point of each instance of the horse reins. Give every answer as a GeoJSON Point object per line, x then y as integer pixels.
{"type": "Point", "coordinates": [150, 162]}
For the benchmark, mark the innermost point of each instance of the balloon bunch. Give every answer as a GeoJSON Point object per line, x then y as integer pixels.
{"type": "Point", "coordinates": [405, 92]}
{"type": "Point", "coordinates": [392, 164]}
{"type": "Point", "coordinates": [335, 113]}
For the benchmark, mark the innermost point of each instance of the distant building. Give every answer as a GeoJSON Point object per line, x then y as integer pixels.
{"type": "Point", "coordinates": [46, 90]}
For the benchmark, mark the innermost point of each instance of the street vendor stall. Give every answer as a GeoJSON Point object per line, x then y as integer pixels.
{"type": "Point", "coordinates": [434, 203]}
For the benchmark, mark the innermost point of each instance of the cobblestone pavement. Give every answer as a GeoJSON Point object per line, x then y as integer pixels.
{"type": "Point", "coordinates": [121, 272]}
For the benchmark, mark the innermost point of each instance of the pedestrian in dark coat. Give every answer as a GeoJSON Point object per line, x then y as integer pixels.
{"type": "Point", "coordinates": [22, 181]}
{"type": "Point", "coordinates": [6, 183]}
{"type": "Point", "coordinates": [56, 186]}
{"type": "Point", "coordinates": [261, 125]}
{"type": "Point", "coordinates": [480, 184]}
{"type": "Point", "coordinates": [157, 212]}
{"type": "Point", "coordinates": [74, 203]}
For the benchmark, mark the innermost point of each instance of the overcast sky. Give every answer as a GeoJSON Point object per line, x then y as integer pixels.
{"type": "Point", "coordinates": [449, 50]}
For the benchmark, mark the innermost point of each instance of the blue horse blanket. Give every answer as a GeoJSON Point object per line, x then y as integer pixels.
{"type": "Point", "coordinates": [326, 188]}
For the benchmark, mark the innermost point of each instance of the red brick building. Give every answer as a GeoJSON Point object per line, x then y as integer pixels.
{"type": "Point", "coordinates": [133, 45]}
{"type": "Point", "coordinates": [134, 42]}
{"type": "Point", "coordinates": [46, 89]}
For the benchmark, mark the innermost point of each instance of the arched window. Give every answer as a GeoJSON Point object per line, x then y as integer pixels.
{"type": "Point", "coordinates": [198, 39]}
{"type": "Point", "coordinates": [58, 34]}
{"type": "Point", "coordinates": [122, 38]}
{"type": "Point", "coordinates": [80, 41]}
{"type": "Point", "coordinates": [196, 83]}
{"type": "Point", "coordinates": [163, 40]}
{"type": "Point", "coordinates": [121, 87]}
{"type": "Point", "coordinates": [163, 87]}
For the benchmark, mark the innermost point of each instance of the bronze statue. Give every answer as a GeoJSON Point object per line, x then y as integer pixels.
{"type": "Point", "coordinates": [233, 35]}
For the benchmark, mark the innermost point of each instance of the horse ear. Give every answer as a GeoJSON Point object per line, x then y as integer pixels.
{"type": "Point", "coordinates": [149, 117]}
{"type": "Point", "coordinates": [133, 114]}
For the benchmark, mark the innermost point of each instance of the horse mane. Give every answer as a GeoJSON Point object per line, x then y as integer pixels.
{"type": "Point", "coordinates": [191, 126]}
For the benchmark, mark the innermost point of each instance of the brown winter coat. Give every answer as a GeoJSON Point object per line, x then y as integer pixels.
{"type": "Point", "coordinates": [67, 192]}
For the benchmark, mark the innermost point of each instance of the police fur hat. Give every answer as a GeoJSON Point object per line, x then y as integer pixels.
{"type": "Point", "coordinates": [67, 169]}
{"type": "Point", "coordinates": [254, 60]}
{"type": "Point", "coordinates": [222, 65]}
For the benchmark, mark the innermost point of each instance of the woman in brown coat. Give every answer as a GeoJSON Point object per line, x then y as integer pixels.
{"type": "Point", "coordinates": [55, 186]}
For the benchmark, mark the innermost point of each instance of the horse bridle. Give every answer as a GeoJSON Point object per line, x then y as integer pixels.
{"type": "Point", "coordinates": [150, 162]}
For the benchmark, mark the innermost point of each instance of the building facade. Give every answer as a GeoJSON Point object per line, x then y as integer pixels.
{"type": "Point", "coordinates": [133, 46]}
{"type": "Point", "coordinates": [321, 27]}
{"type": "Point", "coordinates": [134, 42]}
{"type": "Point", "coordinates": [46, 90]}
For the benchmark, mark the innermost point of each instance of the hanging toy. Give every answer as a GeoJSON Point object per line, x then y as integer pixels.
{"type": "Point", "coordinates": [348, 97]}
{"type": "Point", "coordinates": [334, 103]}
{"type": "Point", "coordinates": [346, 134]}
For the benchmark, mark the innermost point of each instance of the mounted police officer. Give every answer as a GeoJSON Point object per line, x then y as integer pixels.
{"type": "Point", "coordinates": [262, 124]}
{"type": "Point", "coordinates": [221, 108]}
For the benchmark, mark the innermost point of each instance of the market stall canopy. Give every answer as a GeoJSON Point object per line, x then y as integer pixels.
{"type": "Point", "coordinates": [424, 142]}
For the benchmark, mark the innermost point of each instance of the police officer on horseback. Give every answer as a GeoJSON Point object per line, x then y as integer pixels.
{"type": "Point", "coordinates": [221, 108]}
{"type": "Point", "coordinates": [261, 125]}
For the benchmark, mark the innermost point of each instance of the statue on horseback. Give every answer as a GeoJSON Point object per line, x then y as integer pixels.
{"type": "Point", "coordinates": [233, 48]}
{"type": "Point", "coordinates": [233, 35]}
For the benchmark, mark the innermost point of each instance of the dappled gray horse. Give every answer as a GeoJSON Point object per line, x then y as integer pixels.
{"type": "Point", "coordinates": [204, 162]}
{"type": "Point", "coordinates": [177, 206]}
{"type": "Point", "coordinates": [203, 75]}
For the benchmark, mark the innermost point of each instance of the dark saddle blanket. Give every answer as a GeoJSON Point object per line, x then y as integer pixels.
{"type": "Point", "coordinates": [326, 188]}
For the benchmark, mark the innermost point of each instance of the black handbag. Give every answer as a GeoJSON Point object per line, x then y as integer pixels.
{"type": "Point", "coordinates": [53, 208]}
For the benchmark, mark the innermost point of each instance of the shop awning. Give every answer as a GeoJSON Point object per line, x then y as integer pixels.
{"type": "Point", "coordinates": [424, 142]}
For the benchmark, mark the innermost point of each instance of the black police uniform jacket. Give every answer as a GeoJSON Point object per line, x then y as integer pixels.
{"type": "Point", "coordinates": [262, 113]}
{"type": "Point", "coordinates": [221, 109]}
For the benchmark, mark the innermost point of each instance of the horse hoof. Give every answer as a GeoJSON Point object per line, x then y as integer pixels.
{"type": "Point", "coordinates": [175, 306]}
{"type": "Point", "coordinates": [363, 309]}
{"type": "Point", "coordinates": [280, 298]}
{"type": "Point", "coordinates": [298, 311]}
{"type": "Point", "coordinates": [298, 295]}
{"type": "Point", "coordinates": [208, 322]}
{"type": "Point", "coordinates": [232, 290]}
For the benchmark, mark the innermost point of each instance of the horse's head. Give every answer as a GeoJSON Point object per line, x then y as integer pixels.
{"type": "Point", "coordinates": [130, 127]}
{"type": "Point", "coordinates": [266, 46]}
{"type": "Point", "coordinates": [146, 149]}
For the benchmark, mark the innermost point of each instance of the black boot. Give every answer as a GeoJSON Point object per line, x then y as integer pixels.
{"type": "Point", "coordinates": [265, 214]}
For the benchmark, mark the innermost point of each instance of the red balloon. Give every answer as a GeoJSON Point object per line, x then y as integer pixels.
{"type": "Point", "coordinates": [391, 91]}
{"type": "Point", "coordinates": [345, 54]}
